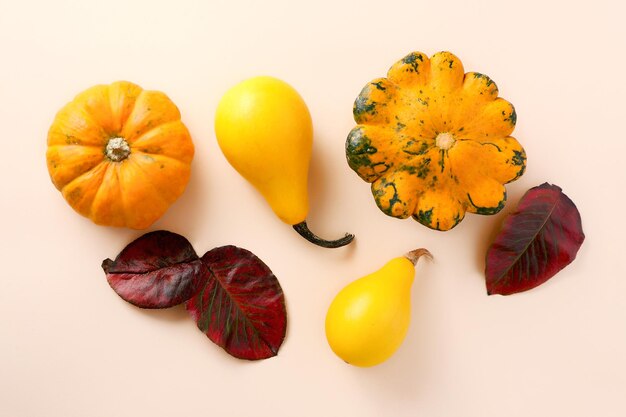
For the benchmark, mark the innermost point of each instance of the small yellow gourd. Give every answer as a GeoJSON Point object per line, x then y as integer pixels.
{"type": "Point", "coordinates": [368, 319]}
{"type": "Point", "coordinates": [265, 131]}
{"type": "Point", "coordinates": [434, 141]}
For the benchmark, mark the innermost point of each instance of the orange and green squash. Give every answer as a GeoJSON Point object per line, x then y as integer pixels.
{"type": "Point", "coordinates": [120, 155]}
{"type": "Point", "coordinates": [434, 141]}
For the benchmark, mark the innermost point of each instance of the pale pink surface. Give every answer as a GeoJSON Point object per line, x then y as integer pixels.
{"type": "Point", "coordinates": [69, 347]}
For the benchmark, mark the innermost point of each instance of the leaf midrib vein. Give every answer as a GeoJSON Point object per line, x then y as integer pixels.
{"type": "Point", "coordinates": [246, 319]}
{"type": "Point", "coordinates": [517, 258]}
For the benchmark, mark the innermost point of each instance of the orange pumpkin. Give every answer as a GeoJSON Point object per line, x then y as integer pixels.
{"type": "Point", "coordinates": [120, 155]}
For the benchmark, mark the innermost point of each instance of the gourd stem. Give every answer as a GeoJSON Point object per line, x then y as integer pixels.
{"type": "Point", "coordinates": [414, 255]}
{"type": "Point", "coordinates": [445, 140]}
{"type": "Point", "coordinates": [304, 231]}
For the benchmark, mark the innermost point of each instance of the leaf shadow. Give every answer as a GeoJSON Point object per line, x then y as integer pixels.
{"type": "Point", "coordinates": [172, 315]}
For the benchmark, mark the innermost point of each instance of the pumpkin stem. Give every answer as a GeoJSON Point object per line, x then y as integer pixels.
{"type": "Point", "coordinates": [414, 255]}
{"type": "Point", "coordinates": [304, 231]}
{"type": "Point", "coordinates": [117, 149]}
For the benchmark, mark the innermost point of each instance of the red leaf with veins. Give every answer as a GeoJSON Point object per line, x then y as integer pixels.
{"type": "Point", "coordinates": [158, 270]}
{"type": "Point", "coordinates": [537, 241]}
{"type": "Point", "coordinates": [241, 307]}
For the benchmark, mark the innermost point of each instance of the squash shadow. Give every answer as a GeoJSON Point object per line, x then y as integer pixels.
{"type": "Point", "coordinates": [191, 209]}
{"type": "Point", "coordinates": [409, 372]}
{"type": "Point", "coordinates": [322, 204]}
{"type": "Point", "coordinates": [490, 226]}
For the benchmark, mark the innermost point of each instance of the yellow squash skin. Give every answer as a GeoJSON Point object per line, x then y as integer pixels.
{"type": "Point", "coordinates": [264, 129]}
{"type": "Point", "coordinates": [435, 141]}
{"type": "Point", "coordinates": [120, 155]}
{"type": "Point", "coordinates": [368, 319]}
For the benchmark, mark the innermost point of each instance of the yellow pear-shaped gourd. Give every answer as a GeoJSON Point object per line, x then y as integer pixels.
{"type": "Point", "coordinates": [264, 129]}
{"type": "Point", "coordinates": [369, 318]}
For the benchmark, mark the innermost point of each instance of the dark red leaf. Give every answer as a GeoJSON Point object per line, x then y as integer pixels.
{"type": "Point", "coordinates": [158, 270]}
{"type": "Point", "coordinates": [241, 306]}
{"type": "Point", "coordinates": [538, 240]}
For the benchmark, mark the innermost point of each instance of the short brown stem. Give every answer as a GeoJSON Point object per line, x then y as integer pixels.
{"type": "Point", "coordinates": [414, 255]}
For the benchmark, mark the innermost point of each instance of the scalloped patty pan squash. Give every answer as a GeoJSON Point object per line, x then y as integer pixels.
{"type": "Point", "coordinates": [434, 141]}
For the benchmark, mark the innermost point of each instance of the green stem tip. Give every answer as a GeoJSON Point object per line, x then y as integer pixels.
{"type": "Point", "coordinates": [304, 231]}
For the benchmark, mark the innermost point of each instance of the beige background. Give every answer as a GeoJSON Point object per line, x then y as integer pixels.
{"type": "Point", "coordinates": [70, 347]}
